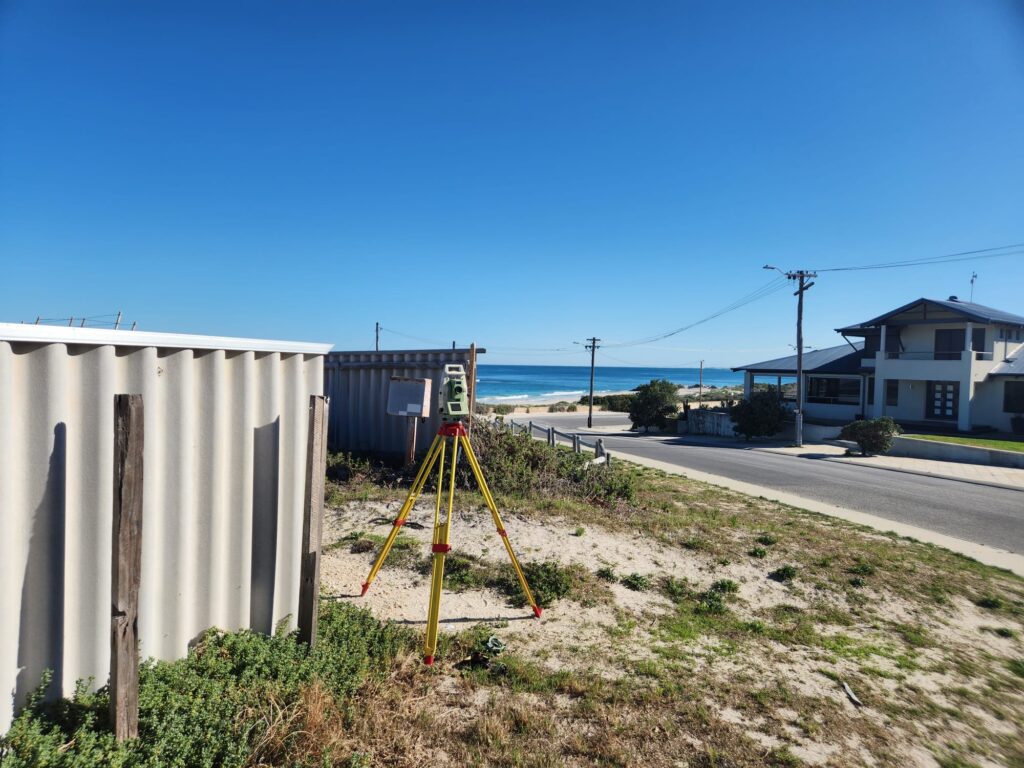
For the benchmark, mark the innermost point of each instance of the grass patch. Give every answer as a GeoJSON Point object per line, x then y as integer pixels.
{"type": "Point", "coordinates": [999, 444]}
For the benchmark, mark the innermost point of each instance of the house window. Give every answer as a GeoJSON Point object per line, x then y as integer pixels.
{"type": "Point", "coordinates": [871, 390]}
{"type": "Point", "coordinates": [949, 343]}
{"type": "Point", "coordinates": [1013, 397]}
{"type": "Point", "coordinates": [892, 391]}
{"type": "Point", "coordinates": [833, 390]}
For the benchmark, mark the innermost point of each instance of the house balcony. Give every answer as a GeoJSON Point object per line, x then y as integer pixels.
{"type": "Point", "coordinates": [924, 365]}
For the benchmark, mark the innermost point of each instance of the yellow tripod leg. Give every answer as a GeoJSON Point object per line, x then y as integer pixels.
{"type": "Point", "coordinates": [440, 548]}
{"type": "Point", "coordinates": [403, 513]}
{"type": "Point", "coordinates": [489, 499]}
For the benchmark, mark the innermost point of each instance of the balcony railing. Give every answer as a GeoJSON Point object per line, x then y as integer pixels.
{"type": "Point", "coordinates": [933, 355]}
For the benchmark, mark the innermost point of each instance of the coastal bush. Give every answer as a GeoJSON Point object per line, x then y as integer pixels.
{"type": "Point", "coordinates": [872, 435]}
{"type": "Point", "coordinates": [653, 404]}
{"type": "Point", "coordinates": [760, 415]}
{"type": "Point", "coordinates": [212, 707]}
{"type": "Point", "coordinates": [503, 409]}
{"type": "Point", "coordinates": [618, 403]}
{"type": "Point", "coordinates": [560, 407]}
{"type": "Point", "coordinates": [520, 466]}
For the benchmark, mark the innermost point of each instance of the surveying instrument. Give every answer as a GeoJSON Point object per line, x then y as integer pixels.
{"type": "Point", "coordinates": [453, 407]}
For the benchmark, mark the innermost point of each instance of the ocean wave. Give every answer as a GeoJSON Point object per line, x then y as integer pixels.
{"type": "Point", "coordinates": [560, 394]}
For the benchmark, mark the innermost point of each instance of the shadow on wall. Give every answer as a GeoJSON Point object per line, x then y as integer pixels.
{"type": "Point", "coordinates": [41, 633]}
{"type": "Point", "coordinates": [266, 464]}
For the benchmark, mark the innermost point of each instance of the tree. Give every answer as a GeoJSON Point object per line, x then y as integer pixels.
{"type": "Point", "coordinates": [760, 415]}
{"type": "Point", "coordinates": [654, 404]}
{"type": "Point", "coordinates": [873, 435]}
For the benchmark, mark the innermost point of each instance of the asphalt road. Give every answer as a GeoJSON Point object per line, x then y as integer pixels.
{"type": "Point", "coordinates": [977, 513]}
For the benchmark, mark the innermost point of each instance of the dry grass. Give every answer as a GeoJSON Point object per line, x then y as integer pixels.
{"type": "Point", "coordinates": [930, 641]}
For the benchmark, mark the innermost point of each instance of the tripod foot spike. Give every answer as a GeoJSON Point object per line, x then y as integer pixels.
{"type": "Point", "coordinates": [537, 611]}
{"type": "Point", "coordinates": [366, 586]}
{"type": "Point", "coordinates": [428, 660]}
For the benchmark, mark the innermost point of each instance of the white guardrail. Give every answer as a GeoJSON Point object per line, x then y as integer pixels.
{"type": "Point", "coordinates": [552, 435]}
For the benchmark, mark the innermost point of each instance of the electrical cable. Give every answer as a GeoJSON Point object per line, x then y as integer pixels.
{"type": "Point", "coordinates": [950, 258]}
{"type": "Point", "coordinates": [769, 288]}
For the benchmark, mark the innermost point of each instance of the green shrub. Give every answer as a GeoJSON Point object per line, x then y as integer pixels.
{"type": "Point", "coordinates": [783, 574]}
{"type": "Point", "coordinates": [206, 709]}
{"type": "Point", "coordinates": [548, 580]}
{"type": "Point", "coordinates": [619, 403]}
{"type": "Point", "coordinates": [560, 407]}
{"type": "Point", "coordinates": [863, 569]}
{"type": "Point", "coordinates": [725, 587]}
{"type": "Point", "coordinates": [675, 589]}
{"type": "Point", "coordinates": [758, 552]}
{"type": "Point", "coordinates": [606, 573]}
{"type": "Point", "coordinates": [504, 409]}
{"type": "Point", "coordinates": [654, 404]}
{"type": "Point", "coordinates": [637, 582]}
{"type": "Point", "coordinates": [873, 435]}
{"type": "Point", "coordinates": [520, 466]}
{"type": "Point", "coordinates": [767, 539]}
{"type": "Point", "coordinates": [572, 408]}
{"type": "Point", "coordinates": [991, 602]}
{"type": "Point", "coordinates": [760, 415]}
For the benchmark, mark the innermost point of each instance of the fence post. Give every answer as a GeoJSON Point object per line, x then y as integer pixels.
{"type": "Point", "coordinates": [126, 566]}
{"type": "Point", "coordinates": [599, 449]}
{"type": "Point", "coordinates": [551, 436]}
{"type": "Point", "coordinates": [312, 519]}
{"type": "Point", "coordinates": [575, 443]}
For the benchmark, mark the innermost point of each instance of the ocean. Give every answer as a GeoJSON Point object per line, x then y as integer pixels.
{"type": "Point", "coordinates": [500, 383]}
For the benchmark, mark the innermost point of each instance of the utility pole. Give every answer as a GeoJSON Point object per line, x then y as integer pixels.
{"type": "Point", "coordinates": [592, 346]}
{"type": "Point", "coordinates": [700, 385]}
{"type": "Point", "coordinates": [801, 276]}
{"type": "Point", "coordinates": [974, 276]}
{"type": "Point", "coordinates": [377, 335]}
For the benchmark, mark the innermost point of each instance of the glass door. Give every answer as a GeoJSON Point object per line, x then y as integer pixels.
{"type": "Point", "coordinates": [942, 400]}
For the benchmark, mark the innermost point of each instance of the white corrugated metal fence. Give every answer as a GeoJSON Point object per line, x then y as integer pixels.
{"type": "Point", "coordinates": [225, 443]}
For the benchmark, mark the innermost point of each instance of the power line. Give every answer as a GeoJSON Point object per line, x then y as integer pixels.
{"type": "Point", "coordinates": [769, 288]}
{"type": "Point", "coordinates": [949, 258]}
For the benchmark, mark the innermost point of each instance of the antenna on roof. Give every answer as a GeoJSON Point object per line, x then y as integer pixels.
{"type": "Point", "coordinates": [974, 276]}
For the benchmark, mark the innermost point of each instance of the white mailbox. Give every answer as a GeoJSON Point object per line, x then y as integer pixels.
{"type": "Point", "coordinates": [409, 397]}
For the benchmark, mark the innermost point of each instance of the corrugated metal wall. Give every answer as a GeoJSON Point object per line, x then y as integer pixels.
{"type": "Point", "coordinates": [225, 444]}
{"type": "Point", "coordinates": [357, 383]}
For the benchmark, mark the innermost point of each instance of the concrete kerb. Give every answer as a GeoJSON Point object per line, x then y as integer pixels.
{"type": "Point", "coordinates": [998, 558]}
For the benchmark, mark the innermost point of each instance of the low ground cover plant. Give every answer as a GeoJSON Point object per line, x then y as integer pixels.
{"type": "Point", "coordinates": [237, 699]}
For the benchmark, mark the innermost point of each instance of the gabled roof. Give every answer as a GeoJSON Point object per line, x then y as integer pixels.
{"type": "Point", "coordinates": [839, 359]}
{"type": "Point", "coordinates": [969, 311]}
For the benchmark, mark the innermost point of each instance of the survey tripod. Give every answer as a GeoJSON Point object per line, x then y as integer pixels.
{"type": "Point", "coordinates": [444, 452]}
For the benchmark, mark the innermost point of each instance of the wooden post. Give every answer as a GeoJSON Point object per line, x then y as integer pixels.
{"type": "Point", "coordinates": [312, 518]}
{"type": "Point", "coordinates": [575, 443]}
{"type": "Point", "coordinates": [471, 377]}
{"type": "Point", "coordinates": [410, 439]}
{"type": "Point", "coordinates": [126, 566]}
{"type": "Point", "coordinates": [599, 448]}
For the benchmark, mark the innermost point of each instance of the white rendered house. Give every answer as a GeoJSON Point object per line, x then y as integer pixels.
{"type": "Point", "coordinates": [944, 364]}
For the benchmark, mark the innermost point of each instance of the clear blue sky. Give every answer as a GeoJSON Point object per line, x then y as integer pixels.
{"type": "Point", "coordinates": [522, 174]}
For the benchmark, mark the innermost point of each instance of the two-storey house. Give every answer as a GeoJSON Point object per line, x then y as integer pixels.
{"type": "Point", "coordinates": [945, 364]}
